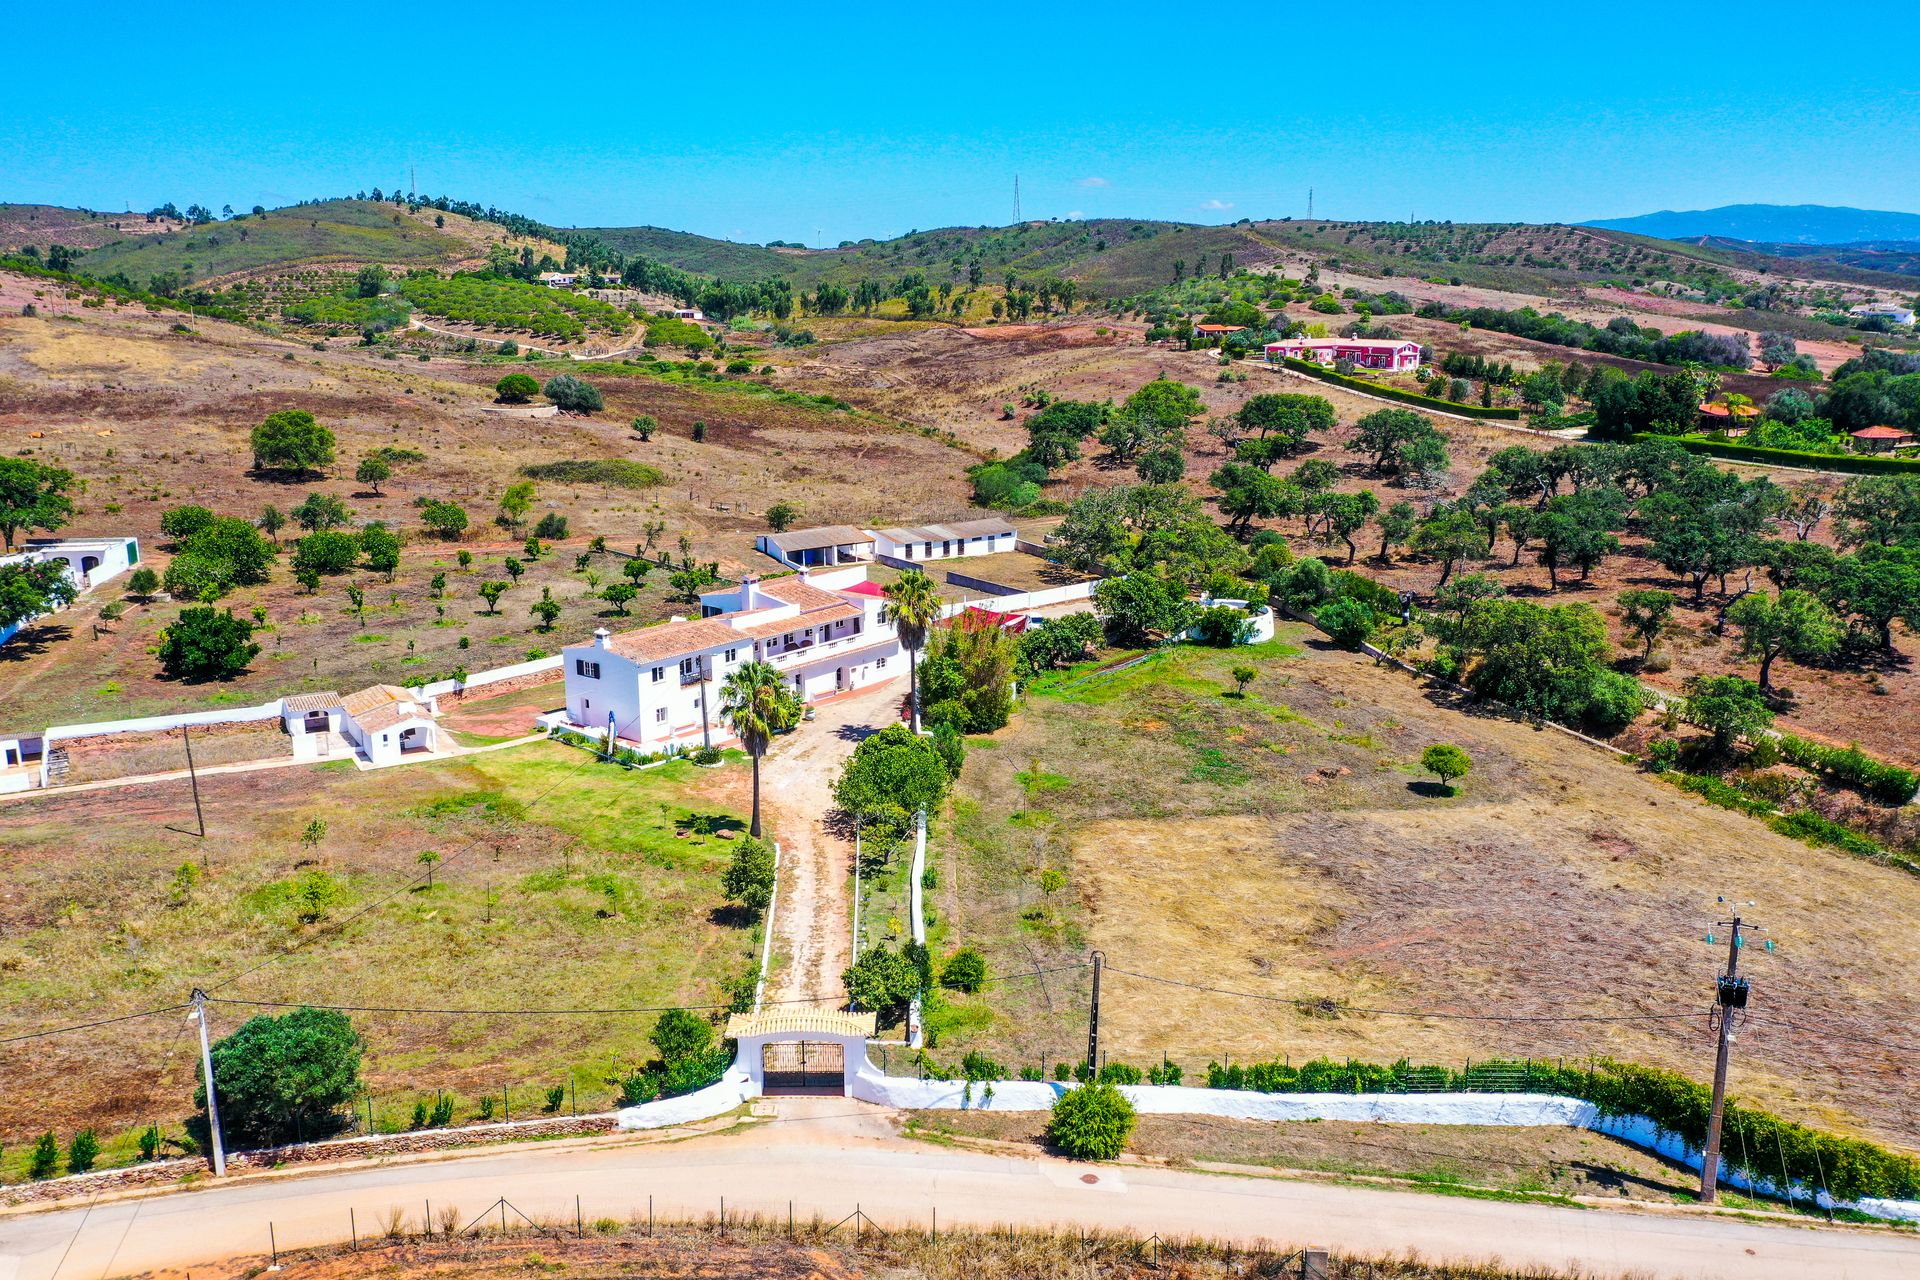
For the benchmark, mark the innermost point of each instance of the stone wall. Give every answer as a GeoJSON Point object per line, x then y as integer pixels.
{"type": "Point", "coordinates": [166, 1172]}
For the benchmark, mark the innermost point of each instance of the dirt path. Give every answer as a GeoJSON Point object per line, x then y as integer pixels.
{"type": "Point", "coordinates": [812, 927]}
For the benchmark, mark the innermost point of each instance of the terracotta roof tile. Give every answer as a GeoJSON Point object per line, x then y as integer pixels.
{"type": "Point", "coordinates": [800, 622]}
{"type": "Point", "coordinates": [800, 592]}
{"type": "Point", "coordinates": [310, 702]}
{"type": "Point", "coordinates": [672, 639]}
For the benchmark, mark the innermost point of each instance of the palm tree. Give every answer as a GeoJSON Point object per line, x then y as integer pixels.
{"type": "Point", "coordinates": [915, 606]}
{"type": "Point", "coordinates": [758, 702]}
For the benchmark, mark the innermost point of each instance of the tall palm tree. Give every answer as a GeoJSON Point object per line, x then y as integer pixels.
{"type": "Point", "coordinates": [758, 702]}
{"type": "Point", "coordinates": [914, 603]}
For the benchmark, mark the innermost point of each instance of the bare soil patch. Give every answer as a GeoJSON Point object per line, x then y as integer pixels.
{"type": "Point", "coordinates": [1560, 1161]}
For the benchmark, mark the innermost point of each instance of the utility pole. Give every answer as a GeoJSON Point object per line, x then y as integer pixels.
{"type": "Point", "coordinates": [193, 778]}
{"type": "Point", "coordinates": [1730, 994]}
{"type": "Point", "coordinates": [199, 1016]}
{"type": "Point", "coordinates": [1093, 1019]}
{"type": "Point", "coordinates": [1016, 198]}
{"type": "Point", "coordinates": [1309, 204]}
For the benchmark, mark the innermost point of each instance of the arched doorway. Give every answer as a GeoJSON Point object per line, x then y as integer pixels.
{"type": "Point", "coordinates": [806, 1052]}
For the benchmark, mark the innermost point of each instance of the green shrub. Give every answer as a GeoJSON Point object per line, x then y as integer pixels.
{"type": "Point", "coordinates": [619, 473]}
{"type": "Point", "coordinates": [149, 1141]}
{"type": "Point", "coordinates": [1348, 622]}
{"type": "Point", "coordinates": [1446, 762]}
{"type": "Point", "coordinates": [82, 1151]}
{"type": "Point", "coordinates": [1715, 791]}
{"type": "Point", "coordinates": [442, 1114]}
{"type": "Point", "coordinates": [1091, 1122]}
{"type": "Point", "coordinates": [1222, 626]}
{"type": "Point", "coordinates": [1613, 701]}
{"type": "Point", "coordinates": [556, 1098]}
{"type": "Point", "coordinates": [574, 395]}
{"type": "Point", "coordinates": [44, 1160]}
{"type": "Point", "coordinates": [965, 970]}
{"type": "Point", "coordinates": [283, 1079]}
{"type": "Point", "coordinates": [1826, 833]}
{"type": "Point", "coordinates": [1663, 754]}
{"type": "Point", "coordinates": [1851, 767]}
{"type": "Point", "coordinates": [1864, 464]}
{"type": "Point", "coordinates": [516, 388]}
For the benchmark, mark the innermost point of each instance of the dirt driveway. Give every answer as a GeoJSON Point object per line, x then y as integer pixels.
{"type": "Point", "coordinates": [812, 925]}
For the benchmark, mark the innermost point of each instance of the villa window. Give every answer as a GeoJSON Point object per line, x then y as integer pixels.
{"type": "Point", "coordinates": [732, 655]}
{"type": "Point", "coordinates": [659, 715]}
{"type": "Point", "coordinates": [659, 674]}
{"type": "Point", "coordinates": [591, 670]}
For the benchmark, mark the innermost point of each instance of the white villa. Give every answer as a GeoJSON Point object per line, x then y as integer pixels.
{"type": "Point", "coordinates": [1393, 354]}
{"type": "Point", "coordinates": [659, 687]}
{"type": "Point", "coordinates": [89, 561]}
{"type": "Point", "coordinates": [1890, 311]}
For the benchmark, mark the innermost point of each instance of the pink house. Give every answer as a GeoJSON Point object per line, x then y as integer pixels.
{"type": "Point", "coordinates": [1391, 354]}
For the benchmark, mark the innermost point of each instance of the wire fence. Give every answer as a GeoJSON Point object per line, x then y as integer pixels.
{"type": "Point", "coordinates": [890, 1238]}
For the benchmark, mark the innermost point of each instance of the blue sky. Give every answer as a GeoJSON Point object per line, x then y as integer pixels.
{"type": "Point", "coordinates": [822, 123]}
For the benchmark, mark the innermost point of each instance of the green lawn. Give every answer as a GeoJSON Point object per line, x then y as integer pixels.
{"type": "Point", "coordinates": [562, 883]}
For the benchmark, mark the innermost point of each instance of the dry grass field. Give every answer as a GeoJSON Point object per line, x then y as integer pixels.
{"type": "Point", "coordinates": [562, 883]}
{"type": "Point", "coordinates": [151, 419]}
{"type": "Point", "coordinates": [1529, 1160]}
{"type": "Point", "coordinates": [1284, 849]}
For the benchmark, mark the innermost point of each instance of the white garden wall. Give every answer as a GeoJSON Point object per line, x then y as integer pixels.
{"type": "Point", "coordinates": [1491, 1109]}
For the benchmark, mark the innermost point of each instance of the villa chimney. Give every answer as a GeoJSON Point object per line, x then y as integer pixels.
{"type": "Point", "coordinates": [602, 638]}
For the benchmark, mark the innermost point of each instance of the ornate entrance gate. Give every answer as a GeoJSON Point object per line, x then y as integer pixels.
{"type": "Point", "coordinates": [793, 1067]}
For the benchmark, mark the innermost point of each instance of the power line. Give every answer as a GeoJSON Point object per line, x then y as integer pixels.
{"type": "Point", "coordinates": [1834, 1033]}
{"type": "Point", "coordinates": [88, 1026]}
{"type": "Point", "coordinates": [558, 1013]}
{"type": "Point", "coordinates": [1408, 1013]}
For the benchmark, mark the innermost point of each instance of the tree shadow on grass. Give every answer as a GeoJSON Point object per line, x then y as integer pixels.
{"type": "Point", "coordinates": [1432, 790]}
{"type": "Point", "coordinates": [32, 641]}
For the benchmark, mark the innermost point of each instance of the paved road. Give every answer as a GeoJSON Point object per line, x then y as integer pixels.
{"type": "Point", "coordinates": [828, 1155]}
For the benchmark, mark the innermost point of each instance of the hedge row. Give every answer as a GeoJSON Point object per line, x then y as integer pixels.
{"type": "Point", "coordinates": [1803, 825]}
{"type": "Point", "coordinates": [1313, 370]}
{"type": "Point", "coordinates": [1761, 1143]}
{"type": "Point", "coordinates": [1854, 463]}
{"type": "Point", "coordinates": [1851, 767]}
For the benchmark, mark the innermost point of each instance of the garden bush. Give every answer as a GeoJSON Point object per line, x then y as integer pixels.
{"type": "Point", "coordinates": [1091, 1122]}
{"type": "Point", "coordinates": [1851, 767]}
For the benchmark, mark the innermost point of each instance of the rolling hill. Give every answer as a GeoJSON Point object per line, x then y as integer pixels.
{"type": "Point", "coordinates": [42, 225]}
{"type": "Point", "coordinates": [1772, 224]}
{"type": "Point", "coordinates": [332, 232]}
{"type": "Point", "coordinates": [1119, 257]}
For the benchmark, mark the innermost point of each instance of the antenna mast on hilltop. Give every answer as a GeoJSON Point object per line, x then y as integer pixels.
{"type": "Point", "coordinates": [1016, 197]}
{"type": "Point", "coordinates": [1309, 204]}
{"type": "Point", "coordinates": [413, 182]}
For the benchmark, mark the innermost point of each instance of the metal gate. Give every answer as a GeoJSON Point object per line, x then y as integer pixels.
{"type": "Point", "coordinates": [803, 1067]}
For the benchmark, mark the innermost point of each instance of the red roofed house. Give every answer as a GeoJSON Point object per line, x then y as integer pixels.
{"type": "Point", "coordinates": [659, 686]}
{"type": "Point", "coordinates": [1394, 355]}
{"type": "Point", "coordinates": [1880, 439]}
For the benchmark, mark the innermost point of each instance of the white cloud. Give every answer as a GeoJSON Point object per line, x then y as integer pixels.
{"type": "Point", "coordinates": [1217, 205]}
{"type": "Point", "coordinates": [1075, 214]}
{"type": "Point", "coordinates": [1094, 182]}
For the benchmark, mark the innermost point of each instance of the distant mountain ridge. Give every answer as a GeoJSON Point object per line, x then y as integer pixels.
{"type": "Point", "coordinates": [1772, 224]}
